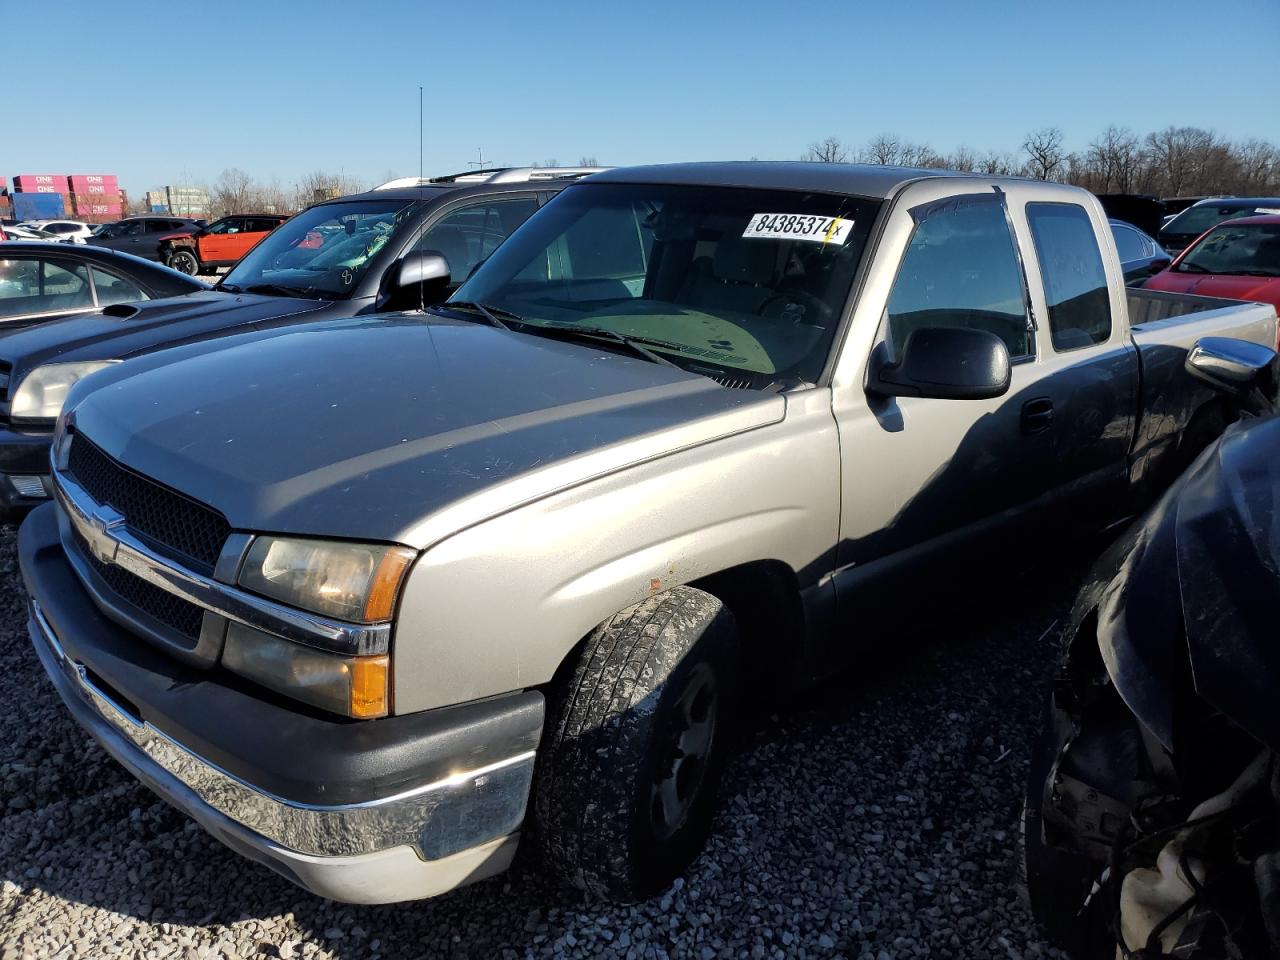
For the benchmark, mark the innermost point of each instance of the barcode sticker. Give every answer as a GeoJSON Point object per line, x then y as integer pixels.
{"type": "Point", "coordinates": [799, 226]}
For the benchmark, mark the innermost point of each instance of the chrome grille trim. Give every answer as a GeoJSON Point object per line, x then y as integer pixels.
{"type": "Point", "coordinates": [107, 534]}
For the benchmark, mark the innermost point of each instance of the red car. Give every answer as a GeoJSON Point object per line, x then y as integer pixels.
{"type": "Point", "coordinates": [1238, 259]}
{"type": "Point", "coordinates": [220, 244]}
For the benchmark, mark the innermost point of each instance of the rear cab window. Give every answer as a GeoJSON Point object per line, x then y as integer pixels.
{"type": "Point", "coordinates": [1075, 282]}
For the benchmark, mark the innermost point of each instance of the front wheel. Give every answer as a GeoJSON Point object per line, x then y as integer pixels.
{"type": "Point", "coordinates": [184, 261]}
{"type": "Point", "coordinates": [636, 744]}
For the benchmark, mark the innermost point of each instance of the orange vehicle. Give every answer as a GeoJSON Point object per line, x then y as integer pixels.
{"type": "Point", "coordinates": [220, 244]}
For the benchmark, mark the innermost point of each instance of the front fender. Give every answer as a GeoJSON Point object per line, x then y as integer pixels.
{"type": "Point", "coordinates": [498, 606]}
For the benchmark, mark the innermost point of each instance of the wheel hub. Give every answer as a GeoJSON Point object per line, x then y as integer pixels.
{"type": "Point", "coordinates": [682, 771]}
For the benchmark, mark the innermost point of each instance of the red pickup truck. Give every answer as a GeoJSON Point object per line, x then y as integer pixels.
{"type": "Point", "coordinates": [220, 244]}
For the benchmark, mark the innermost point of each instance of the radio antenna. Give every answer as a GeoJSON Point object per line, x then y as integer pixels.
{"type": "Point", "coordinates": [422, 297]}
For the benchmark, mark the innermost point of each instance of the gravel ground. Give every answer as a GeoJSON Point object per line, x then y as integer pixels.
{"type": "Point", "coordinates": [876, 818]}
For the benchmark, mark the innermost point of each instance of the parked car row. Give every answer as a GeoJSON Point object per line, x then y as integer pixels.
{"type": "Point", "coordinates": [1179, 232]}
{"type": "Point", "coordinates": [368, 590]}
{"type": "Point", "coordinates": [348, 257]}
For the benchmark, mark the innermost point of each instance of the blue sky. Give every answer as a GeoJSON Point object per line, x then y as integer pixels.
{"type": "Point", "coordinates": [280, 89]}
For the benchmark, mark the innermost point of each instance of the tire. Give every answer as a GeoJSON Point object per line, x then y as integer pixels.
{"type": "Point", "coordinates": [1052, 882]}
{"type": "Point", "coordinates": [184, 261]}
{"type": "Point", "coordinates": [636, 744]}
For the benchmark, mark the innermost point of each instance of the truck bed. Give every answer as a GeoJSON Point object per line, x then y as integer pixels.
{"type": "Point", "coordinates": [1177, 415]}
{"type": "Point", "coordinates": [1148, 307]}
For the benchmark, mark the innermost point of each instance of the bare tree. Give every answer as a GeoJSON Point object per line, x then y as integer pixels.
{"type": "Point", "coordinates": [963, 159]}
{"type": "Point", "coordinates": [827, 150]}
{"type": "Point", "coordinates": [1179, 157]}
{"type": "Point", "coordinates": [1259, 165]}
{"type": "Point", "coordinates": [920, 155]}
{"type": "Point", "coordinates": [231, 192]}
{"type": "Point", "coordinates": [1044, 153]}
{"type": "Point", "coordinates": [586, 162]}
{"type": "Point", "coordinates": [1113, 162]}
{"type": "Point", "coordinates": [884, 149]}
{"type": "Point", "coordinates": [319, 185]}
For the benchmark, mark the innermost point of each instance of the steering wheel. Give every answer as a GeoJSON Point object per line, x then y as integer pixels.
{"type": "Point", "coordinates": [812, 311]}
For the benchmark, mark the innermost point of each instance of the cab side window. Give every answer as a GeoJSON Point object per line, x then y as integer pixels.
{"type": "Point", "coordinates": [1075, 284]}
{"type": "Point", "coordinates": [39, 286]}
{"type": "Point", "coordinates": [1129, 243]}
{"type": "Point", "coordinates": [961, 269]}
{"type": "Point", "coordinates": [467, 235]}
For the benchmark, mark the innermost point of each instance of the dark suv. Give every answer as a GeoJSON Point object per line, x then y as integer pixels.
{"type": "Point", "coordinates": [370, 253]}
{"type": "Point", "coordinates": [140, 236]}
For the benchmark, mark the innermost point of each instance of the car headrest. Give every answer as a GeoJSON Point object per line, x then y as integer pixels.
{"type": "Point", "coordinates": [450, 243]}
{"type": "Point", "coordinates": [740, 260]}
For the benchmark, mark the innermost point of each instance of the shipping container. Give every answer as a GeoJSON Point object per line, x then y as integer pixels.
{"type": "Point", "coordinates": [40, 183]}
{"type": "Point", "coordinates": [38, 206]}
{"type": "Point", "coordinates": [79, 200]}
{"type": "Point", "coordinates": [89, 210]}
{"type": "Point", "coordinates": [100, 183]}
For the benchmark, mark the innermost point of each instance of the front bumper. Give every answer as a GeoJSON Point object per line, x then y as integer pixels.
{"type": "Point", "coordinates": [23, 454]}
{"type": "Point", "coordinates": [441, 803]}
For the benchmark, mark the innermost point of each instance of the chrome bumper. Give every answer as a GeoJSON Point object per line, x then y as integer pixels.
{"type": "Point", "coordinates": [470, 810]}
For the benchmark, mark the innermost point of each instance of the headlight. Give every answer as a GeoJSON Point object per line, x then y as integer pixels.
{"type": "Point", "coordinates": [352, 686]}
{"type": "Point", "coordinates": [350, 581]}
{"type": "Point", "coordinates": [43, 390]}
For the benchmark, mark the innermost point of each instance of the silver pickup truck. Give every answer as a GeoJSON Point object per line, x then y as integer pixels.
{"type": "Point", "coordinates": [369, 598]}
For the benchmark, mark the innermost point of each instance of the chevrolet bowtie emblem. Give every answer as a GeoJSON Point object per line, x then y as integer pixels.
{"type": "Point", "coordinates": [99, 535]}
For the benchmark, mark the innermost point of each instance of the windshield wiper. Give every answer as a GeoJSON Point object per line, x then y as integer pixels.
{"type": "Point", "coordinates": [635, 344]}
{"type": "Point", "coordinates": [276, 289]}
{"type": "Point", "coordinates": [490, 314]}
{"type": "Point", "coordinates": [513, 321]}
{"type": "Point", "coordinates": [1191, 268]}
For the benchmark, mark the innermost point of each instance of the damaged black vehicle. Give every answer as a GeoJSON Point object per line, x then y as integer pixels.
{"type": "Point", "coordinates": [1152, 821]}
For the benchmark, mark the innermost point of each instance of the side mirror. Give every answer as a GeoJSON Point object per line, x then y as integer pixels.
{"type": "Point", "coordinates": [1232, 366]}
{"type": "Point", "coordinates": [946, 363]}
{"type": "Point", "coordinates": [430, 271]}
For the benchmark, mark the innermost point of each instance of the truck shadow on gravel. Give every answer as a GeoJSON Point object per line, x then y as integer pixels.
{"type": "Point", "coordinates": [876, 811]}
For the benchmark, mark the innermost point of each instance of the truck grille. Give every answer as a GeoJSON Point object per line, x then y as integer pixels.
{"type": "Point", "coordinates": [175, 613]}
{"type": "Point", "coordinates": [173, 522]}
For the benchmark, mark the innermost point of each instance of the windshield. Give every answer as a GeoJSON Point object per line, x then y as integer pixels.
{"type": "Point", "coordinates": [1201, 217]}
{"type": "Point", "coordinates": [323, 251]}
{"type": "Point", "coordinates": [1249, 249]}
{"type": "Point", "coordinates": [746, 286]}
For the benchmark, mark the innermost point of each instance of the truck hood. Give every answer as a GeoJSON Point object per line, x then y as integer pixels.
{"type": "Point", "coordinates": [124, 330]}
{"type": "Point", "coordinates": [1262, 289]}
{"type": "Point", "coordinates": [398, 429]}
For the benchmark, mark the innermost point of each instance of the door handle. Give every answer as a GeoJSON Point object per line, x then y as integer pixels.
{"type": "Point", "coordinates": [1037, 415]}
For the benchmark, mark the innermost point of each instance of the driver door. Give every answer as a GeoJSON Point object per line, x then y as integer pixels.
{"type": "Point", "coordinates": [216, 245]}
{"type": "Point", "coordinates": [925, 481]}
